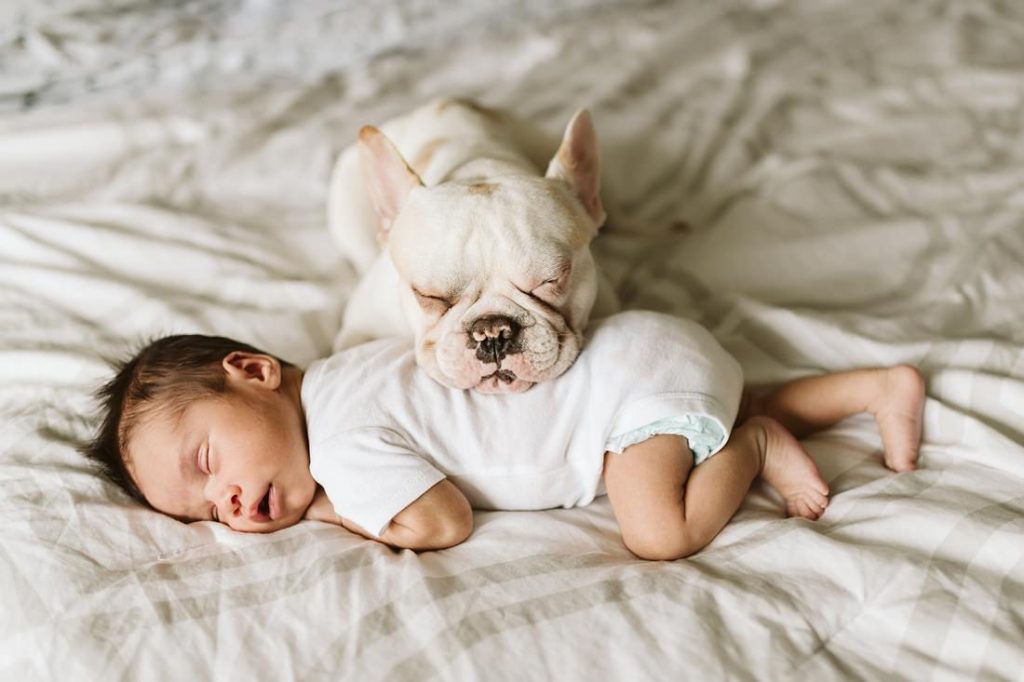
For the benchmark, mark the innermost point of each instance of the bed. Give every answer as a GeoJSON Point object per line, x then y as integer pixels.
{"type": "Point", "coordinates": [824, 185]}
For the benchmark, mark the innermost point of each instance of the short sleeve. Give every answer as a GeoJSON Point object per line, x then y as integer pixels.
{"type": "Point", "coordinates": [370, 475]}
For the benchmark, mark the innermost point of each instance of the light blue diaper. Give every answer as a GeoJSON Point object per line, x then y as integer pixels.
{"type": "Point", "coordinates": [704, 434]}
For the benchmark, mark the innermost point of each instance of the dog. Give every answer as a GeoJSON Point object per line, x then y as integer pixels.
{"type": "Point", "coordinates": [464, 243]}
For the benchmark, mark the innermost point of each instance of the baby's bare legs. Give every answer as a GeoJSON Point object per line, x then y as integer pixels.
{"type": "Point", "coordinates": [894, 395]}
{"type": "Point", "coordinates": [667, 508]}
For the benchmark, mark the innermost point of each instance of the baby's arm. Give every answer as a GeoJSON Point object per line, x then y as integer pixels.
{"type": "Point", "coordinates": [439, 518]}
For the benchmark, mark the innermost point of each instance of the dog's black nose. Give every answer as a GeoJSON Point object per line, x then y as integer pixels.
{"type": "Point", "coordinates": [495, 337]}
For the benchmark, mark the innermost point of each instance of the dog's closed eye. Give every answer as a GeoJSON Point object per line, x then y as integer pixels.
{"type": "Point", "coordinates": [555, 284]}
{"type": "Point", "coordinates": [431, 303]}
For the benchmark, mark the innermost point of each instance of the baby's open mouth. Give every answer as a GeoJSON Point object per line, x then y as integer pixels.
{"type": "Point", "coordinates": [263, 508]}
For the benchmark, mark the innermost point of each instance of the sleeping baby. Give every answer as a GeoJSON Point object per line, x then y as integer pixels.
{"type": "Point", "coordinates": [653, 414]}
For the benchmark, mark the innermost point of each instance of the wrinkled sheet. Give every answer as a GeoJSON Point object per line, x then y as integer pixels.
{"type": "Point", "coordinates": [823, 184]}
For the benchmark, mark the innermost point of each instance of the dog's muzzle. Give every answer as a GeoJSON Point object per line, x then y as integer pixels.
{"type": "Point", "coordinates": [498, 353]}
{"type": "Point", "coordinates": [495, 338]}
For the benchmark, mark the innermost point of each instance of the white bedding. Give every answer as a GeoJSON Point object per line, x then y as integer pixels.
{"type": "Point", "coordinates": [823, 184]}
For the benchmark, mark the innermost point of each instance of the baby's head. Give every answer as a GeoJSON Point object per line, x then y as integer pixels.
{"type": "Point", "coordinates": [206, 428]}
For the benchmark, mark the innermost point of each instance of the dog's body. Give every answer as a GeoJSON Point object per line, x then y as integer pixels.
{"type": "Point", "coordinates": [485, 260]}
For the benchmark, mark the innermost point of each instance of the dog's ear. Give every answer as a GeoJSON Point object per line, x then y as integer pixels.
{"type": "Point", "coordinates": [389, 179]}
{"type": "Point", "coordinates": [577, 163]}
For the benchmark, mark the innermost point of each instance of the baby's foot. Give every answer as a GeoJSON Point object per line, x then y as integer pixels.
{"type": "Point", "coordinates": [899, 412]}
{"type": "Point", "coordinates": [789, 469]}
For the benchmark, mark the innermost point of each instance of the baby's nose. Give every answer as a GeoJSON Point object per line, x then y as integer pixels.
{"type": "Point", "coordinates": [229, 502]}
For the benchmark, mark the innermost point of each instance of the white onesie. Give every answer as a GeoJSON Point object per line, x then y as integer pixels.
{"type": "Point", "coordinates": [381, 432]}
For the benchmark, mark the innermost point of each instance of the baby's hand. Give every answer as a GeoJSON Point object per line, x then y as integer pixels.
{"type": "Point", "coordinates": [321, 509]}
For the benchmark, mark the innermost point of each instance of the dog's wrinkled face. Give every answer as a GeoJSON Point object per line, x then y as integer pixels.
{"type": "Point", "coordinates": [500, 308]}
{"type": "Point", "coordinates": [497, 276]}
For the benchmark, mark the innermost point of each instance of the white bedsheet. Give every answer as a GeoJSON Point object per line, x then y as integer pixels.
{"type": "Point", "coordinates": [823, 184]}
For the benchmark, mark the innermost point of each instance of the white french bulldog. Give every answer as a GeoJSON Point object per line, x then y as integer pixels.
{"type": "Point", "coordinates": [485, 261]}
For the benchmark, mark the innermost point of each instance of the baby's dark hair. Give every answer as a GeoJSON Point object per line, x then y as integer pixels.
{"type": "Point", "coordinates": [167, 374]}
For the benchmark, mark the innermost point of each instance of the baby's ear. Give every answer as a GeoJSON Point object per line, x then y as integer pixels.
{"type": "Point", "coordinates": [253, 369]}
{"type": "Point", "coordinates": [388, 177]}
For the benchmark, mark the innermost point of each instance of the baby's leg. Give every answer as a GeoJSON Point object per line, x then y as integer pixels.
{"type": "Point", "coordinates": [667, 508]}
{"type": "Point", "coordinates": [894, 395]}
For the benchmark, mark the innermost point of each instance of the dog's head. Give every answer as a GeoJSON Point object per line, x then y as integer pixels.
{"type": "Point", "coordinates": [497, 276]}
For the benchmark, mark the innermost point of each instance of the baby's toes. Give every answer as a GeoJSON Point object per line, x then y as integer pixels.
{"type": "Point", "coordinates": [799, 506]}
{"type": "Point", "coordinates": [817, 502]}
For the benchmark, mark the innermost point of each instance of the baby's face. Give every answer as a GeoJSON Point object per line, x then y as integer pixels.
{"type": "Point", "coordinates": [240, 459]}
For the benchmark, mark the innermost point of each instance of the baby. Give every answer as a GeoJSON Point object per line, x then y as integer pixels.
{"type": "Point", "coordinates": [209, 429]}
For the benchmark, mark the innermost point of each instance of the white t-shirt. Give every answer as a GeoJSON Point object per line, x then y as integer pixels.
{"type": "Point", "coordinates": [381, 432]}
